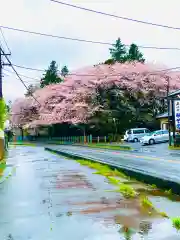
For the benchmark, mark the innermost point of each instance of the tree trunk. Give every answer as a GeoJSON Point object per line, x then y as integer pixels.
{"type": "Point", "coordinates": [22, 134]}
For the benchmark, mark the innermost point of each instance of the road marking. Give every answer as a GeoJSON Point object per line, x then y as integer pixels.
{"type": "Point", "coordinates": [145, 157]}
{"type": "Point", "coordinates": [153, 158]}
{"type": "Point", "coordinates": [138, 156]}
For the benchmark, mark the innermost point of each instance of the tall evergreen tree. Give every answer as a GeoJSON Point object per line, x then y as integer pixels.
{"type": "Point", "coordinates": [51, 76]}
{"type": "Point", "coordinates": [118, 52]}
{"type": "Point", "coordinates": [134, 54]}
{"type": "Point", "coordinates": [64, 71]}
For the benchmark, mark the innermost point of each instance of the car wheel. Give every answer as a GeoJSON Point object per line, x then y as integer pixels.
{"type": "Point", "coordinates": [151, 141]}
{"type": "Point", "coordinates": [135, 140]}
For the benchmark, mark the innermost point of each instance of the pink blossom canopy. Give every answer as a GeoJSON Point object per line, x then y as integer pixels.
{"type": "Point", "coordinates": [72, 100]}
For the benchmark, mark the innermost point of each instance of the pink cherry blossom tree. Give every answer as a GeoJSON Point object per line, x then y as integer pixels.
{"type": "Point", "coordinates": [78, 99]}
{"type": "Point", "coordinates": [23, 111]}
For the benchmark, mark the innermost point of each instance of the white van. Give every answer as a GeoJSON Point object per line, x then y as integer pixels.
{"type": "Point", "coordinates": [135, 134]}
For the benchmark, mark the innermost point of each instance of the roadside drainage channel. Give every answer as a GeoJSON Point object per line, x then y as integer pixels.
{"type": "Point", "coordinates": [146, 177]}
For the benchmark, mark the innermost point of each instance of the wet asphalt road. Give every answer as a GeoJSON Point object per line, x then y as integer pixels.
{"type": "Point", "coordinates": [44, 198]}
{"type": "Point", "coordinates": [164, 164]}
{"type": "Point", "coordinates": [158, 150]}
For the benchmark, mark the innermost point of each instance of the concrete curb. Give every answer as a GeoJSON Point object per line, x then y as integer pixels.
{"type": "Point", "coordinates": [120, 148]}
{"type": "Point", "coordinates": [146, 177]}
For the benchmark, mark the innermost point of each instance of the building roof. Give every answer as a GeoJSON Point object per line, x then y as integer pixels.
{"type": "Point", "coordinates": [163, 115]}
{"type": "Point", "coordinates": [177, 92]}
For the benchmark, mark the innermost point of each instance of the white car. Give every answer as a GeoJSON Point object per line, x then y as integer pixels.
{"type": "Point", "coordinates": [135, 134]}
{"type": "Point", "coordinates": [156, 137]}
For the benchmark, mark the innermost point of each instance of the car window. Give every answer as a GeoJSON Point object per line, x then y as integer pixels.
{"type": "Point", "coordinates": [165, 132]}
{"type": "Point", "coordinates": [128, 131]}
{"type": "Point", "coordinates": [138, 131]}
{"type": "Point", "coordinates": [157, 132]}
{"type": "Point", "coordinates": [147, 131]}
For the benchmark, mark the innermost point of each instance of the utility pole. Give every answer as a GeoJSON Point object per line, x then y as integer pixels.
{"type": "Point", "coordinates": [169, 109]}
{"type": "Point", "coordinates": [1, 67]}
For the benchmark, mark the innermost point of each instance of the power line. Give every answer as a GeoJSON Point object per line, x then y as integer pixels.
{"type": "Point", "coordinates": [22, 75]}
{"type": "Point", "coordinates": [84, 40]}
{"type": "Point", "coordinates": [18, 75]}
{"type": "Point", "coordinates": [84, 75]}
{"type": "Point", "coordinates": [5, 41]}
{"type": "Point", "coordinates": [116, 16]}
{"type": "Point", "coordinates": [29, 68]}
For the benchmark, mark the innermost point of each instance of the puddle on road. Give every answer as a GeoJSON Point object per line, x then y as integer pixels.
{"type": "Point", "coordinates": [92, 202]}
{"type": "Point", "coordinates": [89, 192]}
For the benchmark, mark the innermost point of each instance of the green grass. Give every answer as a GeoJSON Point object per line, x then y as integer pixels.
{"type": "Point", "coordinates": [2, 166]}
{"type": "Point", "coordinates": [163, 214]}
{"type": "Point", "coordinates": [109, 146]}
{"type": "Point", "coordinates": [102, 169]}
{"type": "Point", "coordinates": [127, 191]}
{"type": "Point", "coordinates": [3, 113]}
{"type": "Point", "coordinates": [153, 186]}
{"type": "Point", "coordinates": [146, 203]}
{"type": "Point", "coordinates": [113, 180]}
{"type": "Point", "coordinates": [176, 223]}
{"type": "Point", "coordinates": [22, 144]}
{"type": "Point", "coordinates": [168, 192]}
{"type": "Point", "coordinates": [174, 148]}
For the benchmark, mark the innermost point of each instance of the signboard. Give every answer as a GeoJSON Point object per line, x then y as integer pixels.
{"type": "Point", "coordinates": [177, 114]}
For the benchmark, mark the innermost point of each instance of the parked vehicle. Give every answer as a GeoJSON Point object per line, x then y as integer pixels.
{"type": "Point", "coordinates": [156, 137]}
{"type": "Point", "coordinates": [135, 134]}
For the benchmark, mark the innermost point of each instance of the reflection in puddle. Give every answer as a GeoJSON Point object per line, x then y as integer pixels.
{"type": "Point", "coordinates": [107, 207]}
{"type": "Point", "coordinates": [83, 204]}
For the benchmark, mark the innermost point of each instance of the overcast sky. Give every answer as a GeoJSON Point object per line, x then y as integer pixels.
{"type": "Point", "coordinates": [48, 17]}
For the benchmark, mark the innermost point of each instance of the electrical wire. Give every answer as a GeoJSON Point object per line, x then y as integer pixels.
{"type": "Point", "coordinates": [18, 75]}
{"type": "Point", "coordinates": [29, 68]}
{"type": "Point", "coordinates": [5, 40]}
{"type": "Point", "coordinates": [22, 75]}
{"type": "Point", "coordinates": [84, 75]}
{"type": "Point", "coordinates": [84, 40]}
{"type": "Point", "coordinates": [116, 16]}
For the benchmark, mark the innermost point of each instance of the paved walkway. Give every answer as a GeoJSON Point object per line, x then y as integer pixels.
{"type": "Point", "coordinates": [51, 198]}
{"type": "Point", "coordinates": [43, 199]}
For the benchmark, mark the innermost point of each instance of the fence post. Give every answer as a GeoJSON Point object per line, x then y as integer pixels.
{"type": "Point", "coordinates": [98, 139]}
{"type": "Point", "coordinates": [105, 140]}
{"type": "Point", "coordinates": [90, 138]}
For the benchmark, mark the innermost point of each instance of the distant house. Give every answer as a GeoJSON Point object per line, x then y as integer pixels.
{"type": "Point", "coordinates": [163, 118]}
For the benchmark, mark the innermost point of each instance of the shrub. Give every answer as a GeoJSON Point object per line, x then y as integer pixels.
{"type": "Point", "coordinates": [2, 113]}
{"type": "Point", "coordinates": [176, 223]}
